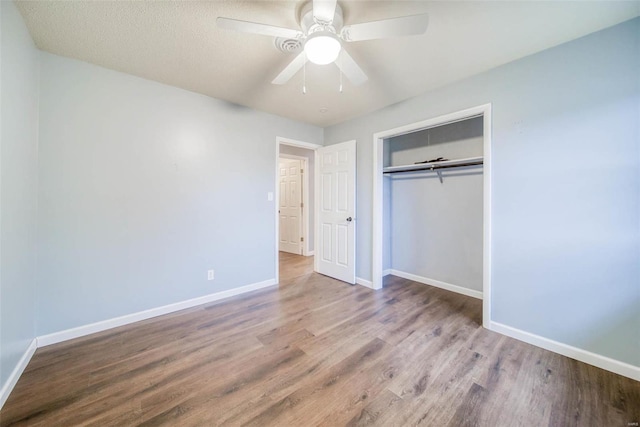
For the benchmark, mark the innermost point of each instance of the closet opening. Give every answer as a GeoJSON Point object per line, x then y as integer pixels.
{"type": "Point", "coordinates": [431, 196]}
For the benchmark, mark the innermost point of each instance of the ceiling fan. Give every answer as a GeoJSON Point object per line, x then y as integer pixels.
{"type": "Point", "coordinates": [323, 34]}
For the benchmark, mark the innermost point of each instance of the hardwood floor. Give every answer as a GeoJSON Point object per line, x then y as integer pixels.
{"type": "Point", "coordinates": [292, 266]}
{"type": "Point", "coordinates": [316, 351]}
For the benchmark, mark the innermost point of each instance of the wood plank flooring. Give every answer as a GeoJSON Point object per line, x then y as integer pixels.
{"type": "Point", "coordinates": [292, 266]}
{"type": "Point", "coordinates": [315, 351]}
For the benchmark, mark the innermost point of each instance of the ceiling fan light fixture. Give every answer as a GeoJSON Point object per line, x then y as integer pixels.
{"type": "Point", "coordinates": [322, 47]}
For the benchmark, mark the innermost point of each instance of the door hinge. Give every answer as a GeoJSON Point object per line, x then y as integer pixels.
{"type": "Point", "coordinates": [301, 170]}
{"type": "Point", "coordinates": [301, 205]}
{"type": "Point", "coordinates": [302, 239]}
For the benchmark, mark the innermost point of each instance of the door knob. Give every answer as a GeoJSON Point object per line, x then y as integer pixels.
{"type": "Point", "coordinates": [349, 219]}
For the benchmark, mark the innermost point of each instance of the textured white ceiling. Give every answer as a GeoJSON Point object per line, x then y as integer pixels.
{"type": "Point", "coordinates": [177, 43]}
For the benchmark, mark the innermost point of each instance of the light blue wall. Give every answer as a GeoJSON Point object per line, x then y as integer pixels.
{"type": "Point", "coordinates": [566, 187]}
{"type": "Point", "coordinates": [18, 191]}
{"type": "Point", "coordinates": [143, 188]}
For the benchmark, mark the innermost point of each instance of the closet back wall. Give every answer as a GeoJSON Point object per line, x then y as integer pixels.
{"type": "Point", "coordinates": [143, 188]}
{"type": "Point", "coordinates": [435, 228]}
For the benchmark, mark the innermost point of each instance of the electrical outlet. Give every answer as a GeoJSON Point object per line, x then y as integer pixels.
{"type": "Point", "coordinates": [210, 275]}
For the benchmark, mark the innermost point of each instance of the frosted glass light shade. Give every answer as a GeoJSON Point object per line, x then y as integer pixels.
{"type": "Point", "coordinates": [322, 48]}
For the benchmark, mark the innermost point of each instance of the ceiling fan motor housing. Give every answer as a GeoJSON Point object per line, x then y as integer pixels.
{"type": "Point", "coordinates": [310, 27]}
{"type": "Point", "coordinates": [307, 21]}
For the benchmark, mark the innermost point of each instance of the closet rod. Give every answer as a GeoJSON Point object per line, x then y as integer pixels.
{"type": "Point", "coordinates": [434, 167]}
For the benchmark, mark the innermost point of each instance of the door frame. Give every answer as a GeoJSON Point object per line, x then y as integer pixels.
{"type": "Point", "coordinates": [377, 259]}
{"type": "Point", "coordinates": [294, 143]}
{"type": "Point", "coordinates": [304, 217]}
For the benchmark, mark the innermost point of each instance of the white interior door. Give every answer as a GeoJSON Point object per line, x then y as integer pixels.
{"type": "Point", "coordinates": [290, 208]}
{"type": "Point", "coordinates": [336, 235]}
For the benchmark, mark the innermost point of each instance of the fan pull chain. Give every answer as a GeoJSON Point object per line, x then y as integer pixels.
{"type": "Point", "coordinates": [340, 69]}
{"type": "Point", "coordinates": [304, 76]}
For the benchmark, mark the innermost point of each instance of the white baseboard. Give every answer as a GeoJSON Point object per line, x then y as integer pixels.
{"type": "Point", "coordinates": [363, 282]}
{"type": "Point", "coordinates": [585, 356]}
{"type": "Point", "coordinates": [311, 253]}
{"type": "Point", "coordinates": [11, 382]}
{"type": "Point", "coordinates": [92, 328]}
{"type": "Point", "coordinates": [437, 283]}
{"type": "Point", "coordinates": [386, 272]}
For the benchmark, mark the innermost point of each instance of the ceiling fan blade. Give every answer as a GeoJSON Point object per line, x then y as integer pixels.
{"type": "Point", "coordinates": [256, 28]}
{"type": "Point", "coordinates": [350, 69]}
{"type": "Point", "coordinates": [290, 70]}
{"type": "Point", "coordinates": [394, 27]}
{"type": "Point", "coordinates": [324, 10]}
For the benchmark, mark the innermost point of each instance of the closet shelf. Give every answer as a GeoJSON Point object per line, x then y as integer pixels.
{"type": "Point", "coordinates": [445, 164]}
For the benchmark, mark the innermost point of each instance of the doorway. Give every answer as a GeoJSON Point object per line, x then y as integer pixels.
{"type": "Point", "coordinates": [295, 222]}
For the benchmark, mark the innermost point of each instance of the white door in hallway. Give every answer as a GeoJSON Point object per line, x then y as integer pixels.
{"type": "Point", "coordinates": [336, 232]}
{"type": "Point", "coordinates": [290, 206]}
